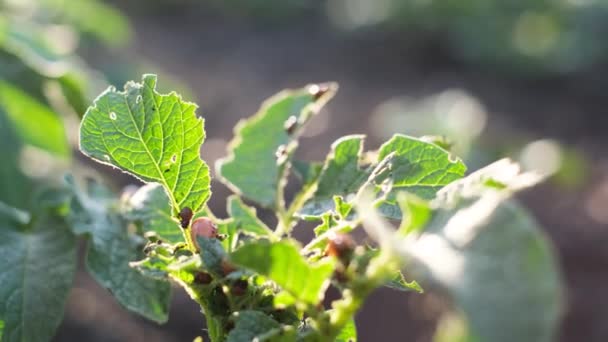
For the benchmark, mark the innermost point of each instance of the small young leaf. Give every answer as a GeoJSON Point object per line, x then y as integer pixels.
{"type": "Point", "coordinates": [212, 254]}
{"type": "Point", "coordinates": [150, 206]}
{"type": "Point", "coordinates": [399, 283]}
{"type": "Point", "coordinates": [415, 213]}
{"type": "Point", "coordinates": [154, 137]}
{"type": "Point", "coordinates": [348, 333]}
{"type": "Point", "coordinates": [246, 218]}
{"type": "Point", "coordinates": [111, 249]}
{"type": "Point", "coordinates": [341, 175]}
{"type": "Point", "coordinates": [251, 169]}
{"type": "Point", "coordinates": [282, 263]}
{"type": "Point", "coordinates": [308, 172]}
{"type": "Point", "coordinates": [37, 266]}
{"type": "Point", "coordinates": [249, 324]}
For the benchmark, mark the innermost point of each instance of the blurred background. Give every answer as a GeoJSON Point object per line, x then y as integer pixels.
{"type": "Point", "coordinates": [519, 78]}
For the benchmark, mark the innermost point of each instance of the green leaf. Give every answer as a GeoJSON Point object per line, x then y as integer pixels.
{"type": "Point", "coordinates": [92, 16]}
{"type": "Point", "coordinates": [150, 206]}
{"type": "Point", "coordinates": [163, 261]}
{"type": "Point", "coordinates": [327, 229]}
{"type": "Point", "coordinates": [492, 258]}
{"type": "Point", "coordinates": [399, 283]}
{"type": "Point", "coordinates": [348, 333]}
{"type": "Point", "coordinates": [283, 334]}
{"type": "Point", "coordinates": [1, 329]}
{"type": "Point", "coordinates": [308, 172]}
{"type": "Point", "coordinates": [246, 218]}
{"type": "Point", "coordinates": [110, 250]}
{"type": "Point", "coordinates": [243, 220]}
{"type": "Point", "coordinates": [212, 254]}
{"type": "Point", "coordinates": [419, 167]}
{"type": "Point", "coordinates": [341, 175]}
{"type": "Point", "coordinates": [249, 324]}
{"type": "Point", "coordinates": [343, 208]}
{"type": "Point", "coordinates": [37, 266]}
{"type": "Point", "coordinates": [252, 167]}
{"type": "Point", "coordinates": [415, 211]}
{"type": "Point", "coordinates": [14, 186]}
{"type": "Point", "coordinates": [35, 123]}
{"type": "Point", "coordinates": [282, 263]}
{"type": "Point", "coordinates": [152, 136]}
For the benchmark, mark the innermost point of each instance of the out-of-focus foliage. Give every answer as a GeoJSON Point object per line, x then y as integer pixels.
{"type": "Point", "coordinates": [43, 83]}
{"type": "Point", "coordinates": [528, 37]}
{"type": "Point", "coordinates": [459, 120]}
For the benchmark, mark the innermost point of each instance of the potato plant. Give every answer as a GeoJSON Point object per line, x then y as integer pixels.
{"type": "Point", "coordinates": [428, 224]}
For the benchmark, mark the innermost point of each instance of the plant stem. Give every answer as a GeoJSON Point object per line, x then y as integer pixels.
{"type": "Point", "coordinates": [214, 326]}
{"type": "Point", "coordinates": [378, 272]}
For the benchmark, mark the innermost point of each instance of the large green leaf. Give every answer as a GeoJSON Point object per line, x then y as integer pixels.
{"type": "Point", "coordinates": [491, 258]}
{"type": "Point", "coordinates": [282, 262]}
{"type": "Point", "coordinates": [37, 265]}
{"type": "Point", "coordinates": [35, 123]}
{"type": "Point", "coordinates": [110, 250]}
{"type": "Point", "coordinates": [150, 206]}
{"type": "Point", "coordinates": [152, 136]}
{"type": "Point", "coordinates": [252, 168]}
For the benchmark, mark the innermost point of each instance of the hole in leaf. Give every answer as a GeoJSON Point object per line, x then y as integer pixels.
{"type": "Point", "coordinates": [112, 115]}
{"type": "Point", "coordinates": [173, 158]}
{"type": "Point", "coordinates": [106, 157]}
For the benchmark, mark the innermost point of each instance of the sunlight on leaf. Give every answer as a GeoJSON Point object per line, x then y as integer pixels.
{"type": "Point", "coordinates": [152, 136]}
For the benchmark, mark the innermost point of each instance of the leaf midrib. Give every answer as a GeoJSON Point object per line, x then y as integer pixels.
{"type": "Point", "coordinates": [161, 175]}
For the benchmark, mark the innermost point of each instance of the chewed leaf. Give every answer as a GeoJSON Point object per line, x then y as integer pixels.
{"type": "Point", "coordinates": [341, 175]}
{"type": "Point", "coordinates": [252, 168]}
{"type": "Point", "coordinates": [155, 137]}
{"type": "Point", "coordinates": [282, 262]}
{"type": "Point", "coordinates": [420, 167]}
